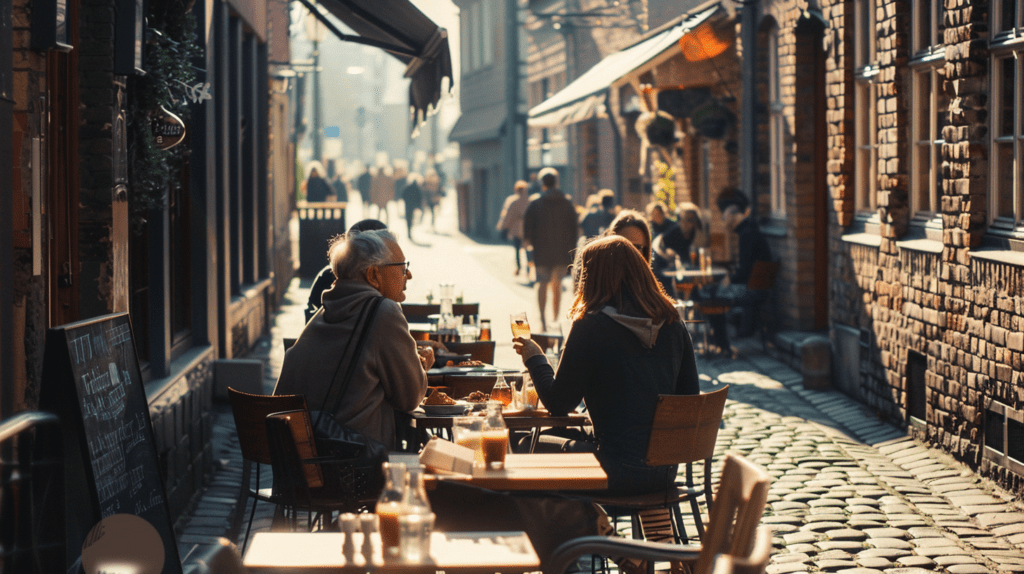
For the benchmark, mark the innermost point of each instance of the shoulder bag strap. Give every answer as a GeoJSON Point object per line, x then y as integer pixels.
{"type": "Point", "coordinates": [364, 321]}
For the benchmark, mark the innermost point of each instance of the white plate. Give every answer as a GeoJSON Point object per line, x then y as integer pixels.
{"type": "Point", "coordinates": [457, 409]}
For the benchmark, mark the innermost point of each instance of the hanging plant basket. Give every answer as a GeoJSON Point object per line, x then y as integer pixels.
{"type": "Point", "coordinates": [658, 128]}
{"type": "Point", "coordinates": [713, 120]}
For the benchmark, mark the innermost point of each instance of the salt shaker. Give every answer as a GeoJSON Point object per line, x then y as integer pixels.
{"type": "Point", "coordinates": [348, 526]}
{"type": "Point", "coordinates": [367, 525]}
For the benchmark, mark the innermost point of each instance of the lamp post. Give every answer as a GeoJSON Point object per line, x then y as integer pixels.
{"type": "Point", "coordinates": [315, 33]}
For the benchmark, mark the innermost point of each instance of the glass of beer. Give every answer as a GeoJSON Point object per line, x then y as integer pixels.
{"type": "Point", "coordinates": [520, 326]}
{"type": "Point", "coordinates": [494, 443]}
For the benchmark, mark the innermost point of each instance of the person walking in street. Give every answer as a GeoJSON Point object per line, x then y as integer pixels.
{"type": "Point", "coordinates": [412, 197]}
{"type": "Point", "coordinates": [316, 186]}
{"type": "Point", "coordinates": [382, 190]}
{"type": "Point", "coordinates": [551, 227]}
{"type": "Point", "coordinates": [336, 179]}
{"type": "Point", "coordinates": [390, 374]}
{"type": "Point", "coordinates": [511, 221]}
{"type": "Point", "coordinates": [432, 193]}
{"type": "Point", "coordinates": [363, 185]}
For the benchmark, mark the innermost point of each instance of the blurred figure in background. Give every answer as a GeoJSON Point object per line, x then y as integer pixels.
{"type": "Point", "coordinates": [657, 217]}
{"type": "Point", "coordinates": [511, 221]}
{"type": "Point", "coordinates": [600, 215]}
{"type": "Point", "coordinates": [400, 174]}
{"type": "Point", "coordinates": [363, 185]}
{"type": "Point", "coordinates": [316, 186]}
{"type": "Point", "coordinates": [432, 193]}
{"type": "Point", "coordinates": [382, 190]}
{"type": "Point", "coordinates": [550, 227]}
{"type": "Point", "coordinates": [412, 197]}
{"type": "Point", "coordinates": [339, 189]}
{"type": "Point", "coordinates": [632, 225]}
{"type": "Point", "coordinates": [680, 240]}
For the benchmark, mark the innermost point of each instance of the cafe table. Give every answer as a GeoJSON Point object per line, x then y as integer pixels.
{"type": "Point", "coordinates": [531, 421]}
{"type": "Point", "coordinates": [452, 552]}
{"type": "Point", "coordinates": [529, 472]}
{"type": "Point", "coordinates": [687, 279]}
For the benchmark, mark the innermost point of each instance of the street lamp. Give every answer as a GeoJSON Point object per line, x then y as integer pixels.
{"type": "Point", "coordinates": [315, 32]}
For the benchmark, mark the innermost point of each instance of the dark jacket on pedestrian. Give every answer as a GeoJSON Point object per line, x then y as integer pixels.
{"type": "Point", "coordinates": [619, 365]}
{"type": "Point", "coordinates": [413, 197]}
{"type": "Point", "coordinates": [317, 189]}
{"type": "Point", "coordinates": [363, 183]}
{"type": "Point", "coordinates": [551, 226]}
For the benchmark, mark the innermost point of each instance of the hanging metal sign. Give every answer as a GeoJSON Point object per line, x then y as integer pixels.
{"type": "Point", "coordinates": [168, 129]}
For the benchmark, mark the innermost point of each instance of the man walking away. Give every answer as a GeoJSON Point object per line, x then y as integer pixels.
{"type": "Point", "coordinates": [511, 221]}
{"type": "Point", "coordinates": [550, 227]}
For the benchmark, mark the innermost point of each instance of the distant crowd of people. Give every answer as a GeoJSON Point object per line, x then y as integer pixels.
{"type": "Point", "coordinates": [379, 186]}
{"type": "Point", "coordinates": [546, 228]}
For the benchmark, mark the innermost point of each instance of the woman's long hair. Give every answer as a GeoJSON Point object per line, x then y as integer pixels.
{"type": "Point", "coordinates": [632, 218]}
{"type": "Point", "coordinates": [612, 272]}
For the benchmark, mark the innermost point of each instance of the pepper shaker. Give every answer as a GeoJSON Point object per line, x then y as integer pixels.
{"type": "Point", "coordinates": [349, 524]}
{"type": "Point", "coordinates": [368, 525]}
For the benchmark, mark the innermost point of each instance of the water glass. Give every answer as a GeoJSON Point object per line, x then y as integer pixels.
{"type": "Point", "coordinates": [466, 432]}
{"type": "Point", "coordinates": [414, 536]}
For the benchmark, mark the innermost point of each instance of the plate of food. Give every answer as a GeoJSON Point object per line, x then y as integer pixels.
{"type": "Point", "coordinates": [439, 403]}
{"type": "Point", "coordinates": [447, 359]}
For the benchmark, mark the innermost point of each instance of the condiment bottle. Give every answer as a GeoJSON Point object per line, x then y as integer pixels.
{"type": "Point", "coordinates": [529, 392]}
{"type": "Point", "coordinates": [389, 506]}
{"type": "Point", "coordinates": [485, 329]}
{"type": "Point", "coordinates": [501, 391]}
{"type": "Point", "coordinates": [494, 437]}
{"type": "Point", "coordinates": [416, 521]}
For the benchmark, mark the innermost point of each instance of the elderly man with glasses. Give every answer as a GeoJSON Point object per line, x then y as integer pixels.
{"type": "Point", "coordinates": [389, 372]}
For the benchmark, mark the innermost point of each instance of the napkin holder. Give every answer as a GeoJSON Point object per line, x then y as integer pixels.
{"type": "Point", "coordinates": [447, 457]}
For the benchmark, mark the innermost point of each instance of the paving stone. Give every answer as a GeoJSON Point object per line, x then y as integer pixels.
{"type": "Point", "coordinates": [933, 551]}
{"type": "Point", "coordinates": [925, 533]}
{"type": "Point", "coordinates": [968, 532]}
{"type": "Point", "coordinates": [846, 534]}
{"type": "Point", "coordinates": [968, 569]}
{"type": "Point", "coordinates": [1009, 529]}
{"type": "Point", "coordinates": [862, 501]}
{"type": "Point", "coordinates": [1000, 519]}
{"type": "Point", "coordinates": [932, 542]}
{"type": "Point", "coordinates": [877, 562]}
{"type": "Point", "coordinates": [790, 557]}
{"type": "Point", "coordinates": [840, 545]}
{"type": "Point", "coordinates": [908, 570]}
{"type": "Point", "coordinates": [886, 533]}
{"type": "Point", "coordinates": [986, 508]}
{"type": "Point", "coordinates": [887, 553]}
{"type": "Point", "coordinates": [803, 548]}
{"type": "Point", "coordinates": [864, 524]}
{"type": "Point", "coordinates": [954, 559]}
{"type": "Point", "coordinates": [988, 543]}
{"type": "Point", "coordinates": [829, 517]}
{"type": "Point", "coordinates": [800, 537]}
{"type": "Point", "coordinates": [784, 528]}
{"type": "Point", "coordinates": [789, 505]}
{"type": "Point", "coordinates": [800, 497]}
{"type": "Point", "coordinates": [859, 571]}
{"type": "Point", "coordinates": [786, 568]}
{"type": "Point", "coordinates": [916, 561]}
{"type": "Point", "coordinates": [834, 565]}
{"type": "Point", "coordinates": [889, 543]}
{"type": "Point", "coordinates": [782, 519]}
{"type": "Point", "coordinates": [907, 522]}
{"type": "Point", "coordinates": [822, 526]}
{"type": "Point", "coordinates": [974, 500]}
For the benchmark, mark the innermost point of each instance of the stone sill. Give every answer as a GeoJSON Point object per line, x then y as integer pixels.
{"type": "Point", "coordinates": [867, 239]}
{"type": "Point", "coordinates": [1008, 257]}
{"type": "Point", "coordinates": [188, 360]}
{"type": "Point", "coordinates": [923, 245]}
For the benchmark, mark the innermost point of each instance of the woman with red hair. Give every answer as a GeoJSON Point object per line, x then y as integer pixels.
{"type": "Point", "coordinates": [625, 347]}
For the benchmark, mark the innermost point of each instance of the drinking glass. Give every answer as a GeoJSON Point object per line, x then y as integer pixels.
{"type": "Point", "coordinates": [414, 536]}
{"type": "Point", "coordinates": [466, 432]}
{"type": "Point", "coordinates": [520, 326]}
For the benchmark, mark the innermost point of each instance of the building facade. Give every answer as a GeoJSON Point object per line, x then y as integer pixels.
{"type": "Point", "coordinates": [191, 241]}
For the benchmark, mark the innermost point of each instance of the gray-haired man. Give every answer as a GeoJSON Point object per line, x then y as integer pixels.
{"type": "Point", "coordinates": [390, 373]}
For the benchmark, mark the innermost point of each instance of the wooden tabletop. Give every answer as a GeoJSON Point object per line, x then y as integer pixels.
{"type": "Point", "coordinates": [514, 422]}
{"type": "Point", "coordinates": [561, 471]}
{"type": "Point", "coordinates": [321, 552]}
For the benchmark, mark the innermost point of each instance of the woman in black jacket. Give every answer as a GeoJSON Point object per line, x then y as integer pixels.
{"type": "Point", "coordinates": [625, 347]}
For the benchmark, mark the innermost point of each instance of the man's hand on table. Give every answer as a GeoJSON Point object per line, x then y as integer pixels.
{"type": "Point", "coordinates": [426, 354]}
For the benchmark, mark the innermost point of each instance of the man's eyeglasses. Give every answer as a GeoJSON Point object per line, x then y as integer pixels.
{"type": "Point", "coordinates": [403, 263]}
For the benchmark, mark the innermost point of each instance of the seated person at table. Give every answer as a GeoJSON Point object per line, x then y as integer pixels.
{"type": "Point", "coordinates": [391, 372]}
{"type": "Point", "coordinates": [732, 291]}
{"type": "Point", "coordinates": [632, 225]}
{"type": "Point", "coordinates": [678, 241]}
{"type": "Point", "coordinates": [325, 278]}
{"type": "Point", "coordinates": [625, 347]}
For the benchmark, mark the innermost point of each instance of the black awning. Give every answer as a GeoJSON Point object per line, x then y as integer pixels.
{"type": "Point", "coordinates": [399, 28]}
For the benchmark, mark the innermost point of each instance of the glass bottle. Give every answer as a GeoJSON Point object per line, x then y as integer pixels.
{"type": "Point", "coordinates": [494, 437]}
{"type": "Point", "coordinates": [485, 329]}
{"type": "Point", "coordinates": [389, 506]}
{"type": "Point", "coordinates": [529, 393]}
{"type": "Point", "coordinates": [416, 521]}
{"type": "Point", "coordinates": [501, 391]}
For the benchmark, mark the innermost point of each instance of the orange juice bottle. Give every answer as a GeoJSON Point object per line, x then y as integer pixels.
{"type": "Point", "coordinates": [494, 438]}
{"type": "Point", "coordinates": [389, 506]}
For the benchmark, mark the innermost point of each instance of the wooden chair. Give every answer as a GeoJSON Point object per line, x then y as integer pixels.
{"type": "Point", "coordinates": [755, 563]}
{"type": "Point", "coordinates": [301, 479]}
{"type": "Point", "coordinates": [684, 431]}
{"type": "Point", "coordinates": [482, 351]}
{"type": "Point", "coordinates": [419, 312]}
{"type": "Point", "coordinates": [761, 281]}
{"type": "Point", "coordinates": [466, 310]}
{"type": "Point", "coordinates": [250, 413]}
{"type": "Point", "coordinates": [733, 528]}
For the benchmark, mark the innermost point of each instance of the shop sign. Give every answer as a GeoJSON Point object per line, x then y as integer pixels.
{"type": "Point", "coordinates": [168, 129]}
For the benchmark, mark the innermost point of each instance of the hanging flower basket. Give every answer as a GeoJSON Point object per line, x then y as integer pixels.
{"type": "Point", "coordinates": [713, 120]}
{"type": "Point", "coordinates": [658, 128]}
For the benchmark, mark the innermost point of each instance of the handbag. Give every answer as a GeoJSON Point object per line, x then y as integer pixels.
{"type": "Point", "coordinates": [350, 461]}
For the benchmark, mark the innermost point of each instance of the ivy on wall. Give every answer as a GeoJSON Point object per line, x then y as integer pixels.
{"type": "Point", "coordinates": [170, 49]}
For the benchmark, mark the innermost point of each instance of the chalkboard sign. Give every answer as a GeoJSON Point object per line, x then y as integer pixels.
{"type": "Point", "coordinates": [91, 378]}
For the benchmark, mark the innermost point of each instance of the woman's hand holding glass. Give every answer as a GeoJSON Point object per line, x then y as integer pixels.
{"type": "Point", "coordinates": [526, 348]}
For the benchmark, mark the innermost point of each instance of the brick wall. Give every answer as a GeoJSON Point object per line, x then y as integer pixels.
{"type": "Point", "coordinates": [962, 313]}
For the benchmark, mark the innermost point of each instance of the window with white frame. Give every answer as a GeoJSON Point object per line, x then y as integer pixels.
{"type": "Point", "coordinates": [776, 128]}
{"type": "Point", "coordinates": [865, 108]}
{"type": "Point", "coordinates": [929, 107]}
{"type": "Point", "coordinates": [1006, 179]}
